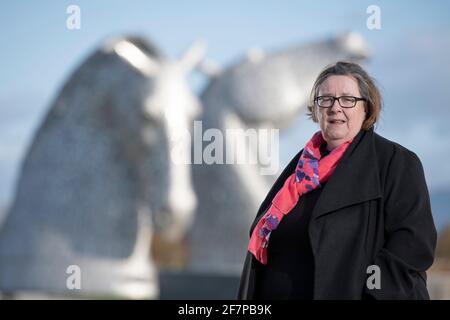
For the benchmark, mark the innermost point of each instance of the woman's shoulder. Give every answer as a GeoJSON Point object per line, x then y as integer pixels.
{"type": "Point", "coordinates": [389, 150]}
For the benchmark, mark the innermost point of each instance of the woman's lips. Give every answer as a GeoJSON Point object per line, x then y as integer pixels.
{"type": "Point", "coordinates": [337, 121]}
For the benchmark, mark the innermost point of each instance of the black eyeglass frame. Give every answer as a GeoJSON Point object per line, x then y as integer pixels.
{"type": "Point", "coordinates": [316, 100]}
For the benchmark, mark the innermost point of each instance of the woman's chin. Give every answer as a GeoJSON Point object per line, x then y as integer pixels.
{"type": "Point", "coordinates": [335, 134]}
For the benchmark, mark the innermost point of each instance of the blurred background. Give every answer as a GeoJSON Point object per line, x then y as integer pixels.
{"type": "Point", "coordinates": [409, 58]}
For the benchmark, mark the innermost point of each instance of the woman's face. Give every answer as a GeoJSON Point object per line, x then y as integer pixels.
{"type": "Point", "coordinates": [338, 124]}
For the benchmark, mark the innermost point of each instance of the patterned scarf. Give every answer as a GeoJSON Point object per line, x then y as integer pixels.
{"type": "Point", "coordinates": [311, 170]}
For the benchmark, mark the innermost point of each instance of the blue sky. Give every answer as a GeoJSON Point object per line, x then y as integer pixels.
{"type": "Point", "coordinates": [39, 45]}
{"type": "Point", "coordinates": [410, 59]}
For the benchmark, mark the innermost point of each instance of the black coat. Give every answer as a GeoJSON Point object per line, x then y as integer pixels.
{"type": "Point", "coordinates": [374, 210]}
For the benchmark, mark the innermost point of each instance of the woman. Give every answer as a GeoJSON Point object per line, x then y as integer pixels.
{"type": "Point", "coordinates": [349, 217]}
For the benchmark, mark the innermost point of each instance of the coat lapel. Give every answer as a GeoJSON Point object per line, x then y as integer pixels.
{"type": "Point", "coordinates": [355, 179]}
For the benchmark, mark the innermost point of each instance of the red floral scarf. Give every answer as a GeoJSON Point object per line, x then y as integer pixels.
{"type": "Point", "coordinates": [311, 170]}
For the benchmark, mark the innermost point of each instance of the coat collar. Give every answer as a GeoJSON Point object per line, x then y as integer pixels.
{"type": "Point", "coordinates": [355, 179]}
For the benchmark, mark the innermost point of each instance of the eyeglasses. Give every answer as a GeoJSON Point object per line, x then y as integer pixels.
{"type": "Point", "coordinates": [344, 101]}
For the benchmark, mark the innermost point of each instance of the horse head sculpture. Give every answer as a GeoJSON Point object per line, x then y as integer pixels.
{"type": "Point", "coordinates": [102, 174]}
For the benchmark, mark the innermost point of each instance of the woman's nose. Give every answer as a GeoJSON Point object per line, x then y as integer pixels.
{"type": "Point", "coordinates": [335, 107]}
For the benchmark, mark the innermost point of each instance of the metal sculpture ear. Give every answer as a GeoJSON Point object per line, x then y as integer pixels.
{"type": "Point", "coordinates": [255, 55]}
{"type": "Point", "coordinates": [355, 44]}
{"type": "Point", "coordinates": [193, 56]}
{"type": "Point", "coordinates": [209, 68]}
{"type": "Point", "coordinates": [135, 56]}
